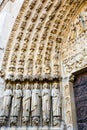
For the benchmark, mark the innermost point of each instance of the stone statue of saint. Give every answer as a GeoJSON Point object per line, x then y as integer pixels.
{"type": "Point", "coordinates": [56, 104]}
{"type": "Point", "coordinates": [35, 104]}
{"type": "Point", "coordinates": [7, 100]}
{"type": "Point", "coordinates": [26, 103]}
{"type": "Point", "coordinates": [16, 102]}
{"type": "Point", "coordinates": [46, 103]}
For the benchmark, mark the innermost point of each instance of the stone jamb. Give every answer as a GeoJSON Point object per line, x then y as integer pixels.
{"type": "Point", "coordinates": [69, 110]}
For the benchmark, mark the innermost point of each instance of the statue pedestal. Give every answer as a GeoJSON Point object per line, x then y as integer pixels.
{"type": "Point", "coordinates": [31, 128]}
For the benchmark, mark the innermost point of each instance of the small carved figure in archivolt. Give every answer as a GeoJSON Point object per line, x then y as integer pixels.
{"type": "Point", "coordinates": [26, 103]}
{"type": "Point", "coordinates": [46, 103]}
{"type": "Point", "coordinates": [35, 104]}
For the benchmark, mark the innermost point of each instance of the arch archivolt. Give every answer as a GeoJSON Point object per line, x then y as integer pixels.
{"type": "Point", "coordinates": [34, 45]}
{"type": "Point", "coordinates": [46, 43]}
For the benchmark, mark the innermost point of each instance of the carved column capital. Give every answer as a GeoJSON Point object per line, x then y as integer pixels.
{"type": "Point", "coordinates": [71, 78]}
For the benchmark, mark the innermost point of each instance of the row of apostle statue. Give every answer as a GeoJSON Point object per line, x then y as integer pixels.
{"type": "Point", "coordinates": [34, 105]}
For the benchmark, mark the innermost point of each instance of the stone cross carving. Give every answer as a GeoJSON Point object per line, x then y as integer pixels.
{"type": "Point", "coordinates": [26, 103]}
{"type": "Point", "coordinates": [46, 104]}
{"type": "Point", "coordinates": [35, 104]}
{"type": "Point", "coordinates": [16, 101]}
{"type": "Point", "coordinates": [56, 104]}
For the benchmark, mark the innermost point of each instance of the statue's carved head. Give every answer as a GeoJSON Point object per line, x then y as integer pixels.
{"type": "Point", "coordinates": [45, 85]}
{"type": "Point", "coordinates": [8, 86]}
{"type": "Point", "coordinates": [27, 86]}
{"type": "Point", "coordinates": [18, 86]}
{"type": "Point", "coordinates": [36, 86]}
{"type": "Point", "coordinates": [55, 85]}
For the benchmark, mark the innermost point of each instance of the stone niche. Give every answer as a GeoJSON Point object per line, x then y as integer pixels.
{"type": "Point", "coordinates": [32, 105]}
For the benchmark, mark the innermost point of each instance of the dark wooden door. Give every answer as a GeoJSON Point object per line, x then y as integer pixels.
{"type": "Point", "coordinates": [80, 91]}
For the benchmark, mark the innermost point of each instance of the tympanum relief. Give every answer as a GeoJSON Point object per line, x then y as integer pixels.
{"type": "Point", "coordinates": [74, 55]}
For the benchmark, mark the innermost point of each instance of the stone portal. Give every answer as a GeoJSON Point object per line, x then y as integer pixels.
{"type": "Point", "coordinates": [80, 90]}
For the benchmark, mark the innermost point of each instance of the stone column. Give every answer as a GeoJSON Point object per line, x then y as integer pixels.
{"type": "Point", "coordinates": [69, 103]}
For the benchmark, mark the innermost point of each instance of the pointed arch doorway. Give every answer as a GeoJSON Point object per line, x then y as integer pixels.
{"type": "Point", "coordinates": [80, 92]}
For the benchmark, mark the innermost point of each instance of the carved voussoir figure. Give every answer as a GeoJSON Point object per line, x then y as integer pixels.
{"type": "Point", "coordinates": [26, 104]}
{"type": "Point", "coordinates": [16, 102]}
{"type": "Point", "coordinates": [46, 104]}
{"type": "Point", "coordinates": [56, 104]}
{"type": "Point", "coordinates": [35, 105]}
